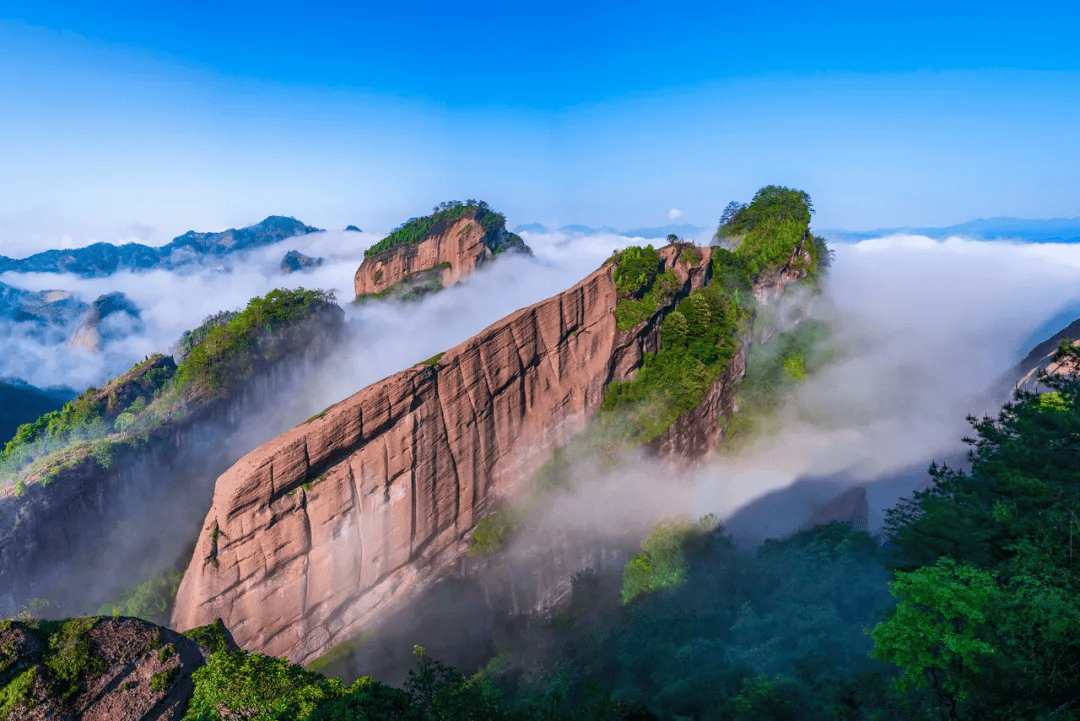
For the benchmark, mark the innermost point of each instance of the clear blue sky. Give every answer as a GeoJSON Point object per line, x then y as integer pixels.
{"type": "Point", "coordinates": [139, 121]}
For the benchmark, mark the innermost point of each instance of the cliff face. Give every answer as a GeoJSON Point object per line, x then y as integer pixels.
{"type": "Point", "coordinates": [450, 251]}
{"type": "Point", "coordinates": [98, 522]}
{"type": "Point", "coordinates": [316, 534]}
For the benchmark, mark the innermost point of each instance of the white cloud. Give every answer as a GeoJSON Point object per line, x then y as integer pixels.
{"type": "Point", "coordinates": [674, 213]}
{"type": "Point", "coordinates": [924, 327]}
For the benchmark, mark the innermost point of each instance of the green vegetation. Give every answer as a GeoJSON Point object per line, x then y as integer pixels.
{"type": "Point", "coordinates": [18, 693]}
{"type": "Point", "coordinates": [221, 354]}
{"type": "Point", "coordinates": [415, 229]}
{"type": "Point", "coordinates": [661, 563]}
{"type": "Point", "coordinates": [635, 269]}
{"type": "Point", "coordinates": [697, 345]}
{"type": "Point", "coordinates": [411, 288]}
{"type": "Point", "coordinates": [257, 686]}
{"type": "Point", "coordinates": [494, 531]}
{"type": "Point", "coordinates": [213, 636]}
{"type": "Point", "coordinates": [64, 660]}
{"type": "Point", "coordinates": [433, 361]}
{"type": "Point", "coordinates": [772, 226]}
{"type": "Point", "coordinates": [71, 657]}
{"type": "Point", "coordinates": [196, 336]}
{"type": "Point", "coordinates": [982, 621]}
{"type": "Point", "coordinates": [231, 352]}
{"type": "Point", "coordinates": [716, 632]}
{"type": "Point", "coordinates": [987, 572]}
{"type": "Point", "coordinates": [161, 681]}
{"type": "Point", "coordinates": [150, 600]}
{"type": "Point", "coordinates": [772, 371]}
{"type": "Point", "coordinates": [320, 414]}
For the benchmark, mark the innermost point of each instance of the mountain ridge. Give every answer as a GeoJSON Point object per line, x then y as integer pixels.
{"type": "Point", "coordinates": [1045, 230]}
{"type": "Point", "coordinates": [103, 259]}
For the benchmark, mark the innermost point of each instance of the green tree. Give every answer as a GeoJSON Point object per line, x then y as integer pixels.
{"type": "Point", "coordinates": [938, 632]}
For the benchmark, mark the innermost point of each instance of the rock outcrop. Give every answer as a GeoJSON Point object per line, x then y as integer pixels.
{"type": "Point", "coordinates": [101, 514]}
{"type": "Point", "coordinates": [130, 669]}
{"type": "Point", "coordinates": [318, 533]}
{"type": "Point", "coordinates": [43, 308]}
{"type": "Point", "coordinates": [448, 252]}
{"type": "Point", "coordinates": [295, 261]}
{"type": "Point", "coordinates": [111, 317]}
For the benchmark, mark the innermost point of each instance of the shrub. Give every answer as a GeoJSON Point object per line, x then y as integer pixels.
{"type": "Point", "coordinates": [151, 600]}
{"type": "Point", "coordinates": [662, 562]}
{"type": "Point", "coordinates": [252, 685]}
{"type": "Point", "coordinates": [697, 345]}
{"type": "Point", "coordinates": [415, 229]}
{"type": "Point", "coordinates": [635, 269]}
{"type": "Point", "coordinates": [773, 224]}
{"type": "Point", "coordinates": [631, 311]}
{"type": "Point", "coordinates": [229, 352]}
{"type": "Point", "coordinates": [71, 657]}
{"type": "Point", "coordinates": [493, 532]}
{"type": "Point", "coordinates": [161, 681]}
{"type": "Point", "coordinates": [212, 636]}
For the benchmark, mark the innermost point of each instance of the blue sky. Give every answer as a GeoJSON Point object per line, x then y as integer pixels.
{"type": "Point", "coordinates": [129, 121]}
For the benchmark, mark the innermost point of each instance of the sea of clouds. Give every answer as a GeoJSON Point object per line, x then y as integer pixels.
{"type": "Point", "coordinates": [922, 327]}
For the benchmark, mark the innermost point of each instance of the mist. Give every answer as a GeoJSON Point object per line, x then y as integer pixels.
{"type": "Point", "coordinates": [923, 330]}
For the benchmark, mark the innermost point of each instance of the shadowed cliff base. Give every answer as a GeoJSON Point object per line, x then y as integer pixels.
{"type": "Point", "coordinates": [105, 492]}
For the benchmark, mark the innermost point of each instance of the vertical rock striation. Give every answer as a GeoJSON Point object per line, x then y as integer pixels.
{"type": "Point", "coordinates": [318, 533]}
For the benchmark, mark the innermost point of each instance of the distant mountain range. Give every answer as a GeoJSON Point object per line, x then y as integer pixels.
{"type": "Point", "coordinates": [103, 259]}
{"type": "Point", "coordinates": [683, 230]}
{"type": "Point", "coordinates": [1054, 230]}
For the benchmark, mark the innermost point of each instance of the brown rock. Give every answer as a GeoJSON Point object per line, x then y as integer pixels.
{"type": "Point", "coordinates": [454, 250]}
{"type": "Point", "coordinates": [317, 535]}
{"type": "Point", "coordinates": [133, 670]}
{"type": "Point", "coordinates": [328, 526]}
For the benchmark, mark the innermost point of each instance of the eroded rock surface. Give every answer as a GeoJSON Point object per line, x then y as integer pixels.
{"type": "Point", "coordinates": [126, 668]}
{"type": "Point", "coordinates": [451, 250]}
{"type": "Point", "coordinates": [318, 533]}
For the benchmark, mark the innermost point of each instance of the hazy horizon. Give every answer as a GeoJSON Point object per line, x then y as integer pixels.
{"type": "Point", "coordinates": [143, 123]}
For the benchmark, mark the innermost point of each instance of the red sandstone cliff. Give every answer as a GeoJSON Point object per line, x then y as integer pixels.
{"type": "Point", "coordinates": [318, 533]}
{"type": "Point", "coordinates": [451, 250]}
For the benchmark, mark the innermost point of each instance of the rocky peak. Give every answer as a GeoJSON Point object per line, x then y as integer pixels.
{"type": "Point", "coordinates": [83, 489]}
{"type": "Point", "coordinates": [295, 261]}
{"type": "Point", "coordinates": [110, 317]}
{"type": "Point", "coordinates": [434, 252]}
{"type": "Point", "coordinates": [384, 488]}
{"type": "Point", "coordinates": [849, 507]}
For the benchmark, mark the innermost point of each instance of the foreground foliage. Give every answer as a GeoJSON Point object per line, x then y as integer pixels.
{"type": "Point", "coordinates": [988, 571]}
